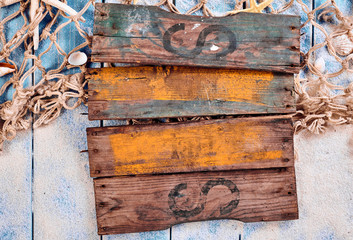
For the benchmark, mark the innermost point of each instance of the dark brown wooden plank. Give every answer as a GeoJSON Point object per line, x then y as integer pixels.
{"type": "Point", "coordinates": [227, 144]}
{"type": "Point", "coordinates": [156, 92]}
{"type": "Point", "coordinates": [156, 202]}
{"type": "Point", "coordinates": [152, 36]}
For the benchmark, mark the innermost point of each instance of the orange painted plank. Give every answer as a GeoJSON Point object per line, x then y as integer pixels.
{"type": "Point", "coordinates": [155, 92]}
{"type": "Point", "coordinates": [239, 143]}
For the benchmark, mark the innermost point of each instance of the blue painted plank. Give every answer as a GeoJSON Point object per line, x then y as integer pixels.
{"type": "Point", "coordinates": [63, 200]}
{"type": "Point", "coordinates": [217, 229]}
{"type": "Point", "coordinates": [154, 235]}
{"type": "Point", "coordinates": [16, 158]}
{"type": "Point", "coordinates": [15, 188]}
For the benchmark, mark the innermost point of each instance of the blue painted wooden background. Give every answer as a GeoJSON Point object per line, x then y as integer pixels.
{"type": "Point", "coordinates": [46, 191]}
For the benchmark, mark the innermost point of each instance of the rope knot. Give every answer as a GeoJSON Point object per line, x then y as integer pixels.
{"type": "Point", "coordinates": [41, 9]}
{"type": "Point", "coordinates": [23, 7]}
{"type": "Point", "coordinates": [48, 93]}
{"type": "Point", "coordinates": [350, 35]}
{"type": "Point", "coordinates": [311, 16]}
{"type": "Point", "coordinates": [27, 54]}
{"type": "Point", "coordinates": [21, 32]}
{"type": "Point", "coordinates": [5, 53]}
{"type": "Point", "coordinates": [45, 33]}
{"type": "Point", "coordinates": [74, 18]}
{"type": "Point", "coordinates": [52, 37]}
{"type": "Point", "coordinates": [345, 64]}
{"type": "Point", "coordinates": [38, 62]}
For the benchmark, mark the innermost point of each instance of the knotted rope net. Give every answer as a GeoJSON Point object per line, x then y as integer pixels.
{"type": "Point", "coordinates": [320, 102]}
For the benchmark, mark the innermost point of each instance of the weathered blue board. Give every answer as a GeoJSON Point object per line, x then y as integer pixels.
{"type": "Point", "coordinates": [16, 161]}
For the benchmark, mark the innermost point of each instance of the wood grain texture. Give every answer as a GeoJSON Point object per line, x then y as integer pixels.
{"type": "Point", "coordinates": [240, 143]}
{"type": "Point", "coordinates": [154, 202]}
{"type": "Point", "coordinates": [16, 157]}
{"type": "Point", "coordinates": [217, 229]}
{"type": "Point", "coordinates": [312, 168]}
{"type": "Point", "coordinates": [149, 35]}
{"type": "Point", "coordinates": [152, 235]}
{"type": "Point", "coordinates": [156, 92]}
{"type": "Point", "coordinates": [63, 199]}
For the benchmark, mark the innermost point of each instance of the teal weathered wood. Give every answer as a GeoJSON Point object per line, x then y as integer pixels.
{"type": "Point", "coordinates": [149, 35]}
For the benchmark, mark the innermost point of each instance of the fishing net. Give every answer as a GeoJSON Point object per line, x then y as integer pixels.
{"type": "Point", "coordinates": [322, 99]}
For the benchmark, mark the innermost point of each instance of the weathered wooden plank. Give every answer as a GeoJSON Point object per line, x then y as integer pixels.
{"type": "Point", "coordinates": [153, 235]}
{"type": "Point", "coordinates": [153, 202]}
{"type": "Point", "coordinates": [63, 199]}
{"type": "Point", "coordinates": [218, 229]}
{"type": "Point", "coordinates": [149, 35]}
{"type": "Point", "coordinates": [155, 92]}
{"type": "Point", "coordinates": [15, 188]}
{"type": "Point", "coordinates": [240, 143]}
{"type": "Point", "coordinates": [304, 227]}
{"type": "Point", "coordinates": [16, 157]}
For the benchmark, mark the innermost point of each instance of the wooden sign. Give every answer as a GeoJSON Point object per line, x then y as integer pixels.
{"type": "Point", "coordinates": [156, 92]}
{"type": "Point", "coordinates": [239, 168]}
{"type": "Point", "coordinates": [151, 177]}
{"type": "Point", "coordinates": [156, 202]}
{"type": "Point", "coordinates": [152, 36]}
{"type": "Point", "coordinates": [213, 145]}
